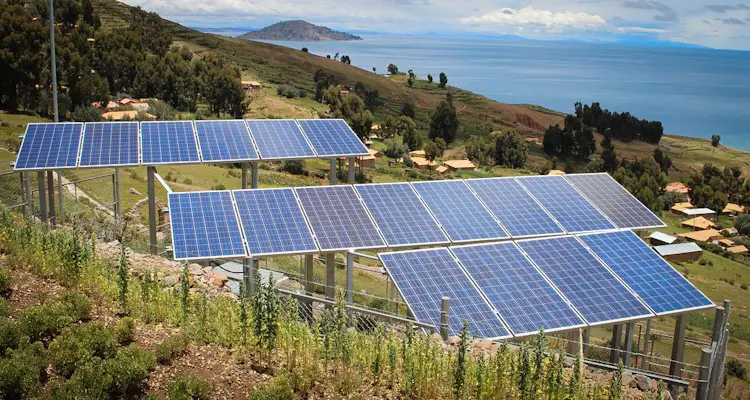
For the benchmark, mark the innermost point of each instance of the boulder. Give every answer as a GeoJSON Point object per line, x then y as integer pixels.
{"type": "Point", "coordinates": [643, 382]}
{"type": "Point", "coordinates": [485, 345]}
{"type": "Point", "coordinates": [195, 269]}
{"type": "Point", "coordinates": [219, 279]}
{"type": "Point", "coordinates": [436, 337]}
{"type": "Point", "coordinates": [453, 340]}
{"type": "Point", "coordinates": [170, 280]}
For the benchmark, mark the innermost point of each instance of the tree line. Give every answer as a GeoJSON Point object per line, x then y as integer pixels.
{"type": "Point", "coordinates": [623, 126]}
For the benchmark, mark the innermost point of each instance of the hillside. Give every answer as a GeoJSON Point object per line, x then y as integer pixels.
{"type": "Point", "coordinates": [298, 30]}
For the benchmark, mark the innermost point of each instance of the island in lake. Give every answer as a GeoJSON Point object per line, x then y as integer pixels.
{"type": "Point", "coordinates": [298, 30]}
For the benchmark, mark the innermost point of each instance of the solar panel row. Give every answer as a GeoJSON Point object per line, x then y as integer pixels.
{"type": "Point", "coordinates": [111, 144]}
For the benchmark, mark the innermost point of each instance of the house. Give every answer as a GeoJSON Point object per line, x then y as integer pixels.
{"type": "Point", "coordinates": [698, 224]}
{"type": "Point", "coordinates": [726, 243]}
{"type": "Point", "coordinates": [460, 165]}
{"type": "Point", "coordinates": [733, 209]}
{"type": "Point", "coordinates": [125, 115]}
{"type": "Point", "coordinates": [737, 249]}
{"type": "Point", "coordinates": [126, 101]}
{"type": "Point", "coordinates": [251, 86]}
{"type": "Point", "coordinates": [555, 172]}
{"type": "Point", "coordinates": [422, 163]}
{"type": "Point", "coordinates": [696, 212]}
{"type": "Point", "coordinates": [112, 105]}
{"type": "Point", "coordinates": [369, 161]}
{"type": "Point", "coordinates": [704, 236]}
{"type": "Point", "coordinates": [533, 140]}
{"type": "Point", "coordinates": [368, 143]}
{"type": "Point", "coordinates": [659, 238]}
{"type": "Point", "coordinates": [679, 207]}
{"type": "Point", "coordinates": [442, 169]}
{"type": "Point", "coordinates": [676, 187]}
{"type": "Point", "coordinates": [417, 153]}
{"type": "Point", "coordinates": [680, 252]}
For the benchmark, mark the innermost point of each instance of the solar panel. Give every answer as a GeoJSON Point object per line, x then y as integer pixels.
{"type": "Point", "coordinates": [514, 207]}
{"type": "Point", "coordinates": [569, 207]}
{"type": "Point", "coordinates": [204, 225]}
{"type": "Point", "coordinates": [597, 294]}
{"type": "Point", "coordinates": [615, 201]}
{"type": "Point", "coordinates": [524, 298]}
{"type": "Point", "coordinates": [225, 141]}
{"type": "Point", "coordinates": [273, 222]}
{"type": "Point", "coordinates": [279, 139]}
{"type": "Point", "coordinates": [50, 146]}
{"type": "Point", "coordinates": [423, 277]}
{"type": "Point", "coordinates": [168, 142]}
{"type": "Point", "coordinates": [659, 285]}
{"type": "Point", "coordinates": [332, 137]}
{"type": "Point", "coordinates": [401, 216]}
{"type": "Point", "coordinates": [459, 211]}
{"type": "Point", "coordinates": [107, 144]}
{"type": "Point", "coordinates": [338, 219]}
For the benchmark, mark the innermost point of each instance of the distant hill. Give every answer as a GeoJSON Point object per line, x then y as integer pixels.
{"type": "Point", "coordinates": [297, 30]}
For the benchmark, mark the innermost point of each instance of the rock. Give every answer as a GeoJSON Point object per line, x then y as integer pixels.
{"type": "Point", "coordinates": [171, 280]}
{"type": "Point", "coordinates": [219, 279]}
{"type": "Point", "coordinates": [453, 340]}
{"type": "Point", "coordinates": [568, 362]}
{"type": "Point", "coordinates": [134, 191]}
{"type": "Point", "coordinates": [195, 269]}
{"type": "Point", "coordinates": [485, 345]}
{"type": "Point", "coordinates": [643, 382]}
{"type": "Point", "coordinates": [633, 383]}
{"type": "Point", "coordinates": [436, 337]}
{"type": "Point", "coordinates": [207, 270]}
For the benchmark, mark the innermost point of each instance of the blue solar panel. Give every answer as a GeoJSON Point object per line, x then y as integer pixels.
{"type": "Point", "coordinates": [459, 211]}
{"type": "Point", "coordinates": [109, 144]}
{"type": "Point", "coordinates": [615, 201]}
{"type": "Point", "coordinates": [279, 139]}
{"type": "Point", "coordinates": [401, 216]}
{"type": "Point", "coordinates": [225, 141]}
{"type": "Point", "coordinates": [597, 294]}
{"type": "Point", "coordinates": [48, 146]}
{"type": "Point", "coordinates": [659, 285]}
{"type": "Point", "coordinates": [514, 207]}
{"type": "Point", "coordinates": [423, 277]}
{"type": "Point", "coordinates": [332, 137]}
{"type": "Point", "coordinates": [338, 218]}
{"type": "Point", "coordinates": [204, 225]}
{"type": "Point", "coordinates": [569, 208]}
{"type": "Point", "coordinates": [525, 300]}
{"type": "Point", "coordinates": [273, 222]}
{"type": "Point", "coordinates": [168, 142]}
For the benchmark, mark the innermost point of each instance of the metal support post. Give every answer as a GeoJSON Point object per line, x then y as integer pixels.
{"type": "Point", "coordinates": [646, 339]}
{"type": "Point", "coordinates": [352, 171]}
{"type": "Point", "coordinates": [573, 343]}
{"type": "Point", "coordinates": [307, 273]}
{"type": "Point", "coordinates": [331, 276]}
{"type": "Point", "coordinates": [586, 341]}
{"type": "Point", "coordinates": [349, 278]}
{"type": "Point", "coordinates": [718, 324]}
{"type": "Point", "coordinates": [150, 171]}
{"type": "Point", "coordinates": [60, 195]}
{"type": "Point", "coordinates": [118, 199]}
{"type": "Point", "coordinates": [445, 312]}
{"type": "Point", "coordinates": [332, 172]}
{"type": "Point", "coordinates": [244, 175]}
{"type": "Point", "coordinates": [27, 189]}
{"type": "Point", "coordinates": [721, 341]}
{"type": "Point", "coordinates": [628, 343]}
{"type": "Point", "coordinates": [51, 193]}
{"type": "Point", "coordinates": [248, 278]}
{"type": "Point", "coordinates": [254, 173]}
{"type": "Point", "coordinates": [614, 356]}
{"type": "Point", "coordinates": [42, 197]}
{"type": "Point", "coordinates": [705, 365]}
{"type": "Point", "coordinates": [678, 347]}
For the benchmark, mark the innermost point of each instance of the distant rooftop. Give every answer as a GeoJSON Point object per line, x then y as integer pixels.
{"type": "Point", "coordinates": [680, 248]}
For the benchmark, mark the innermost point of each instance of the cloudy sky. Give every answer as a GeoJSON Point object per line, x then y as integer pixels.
{"type": "Point", "coordinates": [711, 23]}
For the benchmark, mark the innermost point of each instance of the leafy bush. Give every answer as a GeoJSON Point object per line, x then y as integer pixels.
{"type": "Point", "coordinates": [91, 381]}
{"type": "Point", "coordinates": [4, 308]}
{"type": "Point", "coordinates": [76, 346]}
{"type": "Point", "coordinates": [736, 369]}
{"type": "Point", "coordinates": [742, 223]}
{"type": "Point", "coordinates": [124, 330]}
{"type": "Point", "coordinates": [9, 335]}
{"type": "Point", "coordinates": [172, 348]}
{"type": "Point", "coordinates": [129, 371]}
{"type": "Point", "coordinates": [187, 387]}
{"type": "Point", "coordinates": [5, 282]}
{"type": "Point", "coordinates": [287, 91]}
{"type": "Point", "coordinates": [294, 167]}
{"type": "Point", "coordinates": [278, 390]}
{"type": "Point", "coordinates": [78, 306]}
{"type": "Point", "coordinates": [21, 372]}
{"type": "Point", "coordinates": [44, 322]}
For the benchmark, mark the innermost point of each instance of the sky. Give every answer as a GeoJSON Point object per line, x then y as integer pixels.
{"type": "Point", "coordinates": [723, 24]}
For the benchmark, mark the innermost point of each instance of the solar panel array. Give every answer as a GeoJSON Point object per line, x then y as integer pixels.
{"type": "Point", "coordinates": [332, 137]}
{"type": "Point", "coordinates": [222, 141]}
{"type": "Point", "coordinates": [48, 146]}
{"type": "Point", "coordinates": [168, 142]}
{"type": "Point", "coordinates": [280, 139]}
{"type": "Point", "coordinates": [107, 144]}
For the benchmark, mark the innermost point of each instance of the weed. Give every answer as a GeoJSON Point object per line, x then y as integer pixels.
{"type": "Point", "coordinates": [6, 281]}
{"type": "Point", "coordinates": [122, 278]}
{"type": "Point", "coordinates": [459, 372]}
{"type": "Point", "coordinates": [9, 335]}
{"type": "Point", "coordinates": [44, 323]}
{"type": "Point", "coordinates": [4, 308]}
{"type": "Point", "coordinates": [77, 305]}
{"type": "Point", "coordinates": [124, 330]}
{"type": "Point", "coordinates": [736, 369]}
{"type": "Point", "coordinates": [77, 345]}
{"type": "Point", "coordinates": [171, 348]}
{"type": "Point", "coordinates": [188, 387]}
{"type": "Point", "coordinates": [129, 370]}
{"type": "Point", "coordinates": [615, 388]}
{"type": "Point", "coordinates": [278, 390]}
{"type": "Point", "coordinates": [21, 371]}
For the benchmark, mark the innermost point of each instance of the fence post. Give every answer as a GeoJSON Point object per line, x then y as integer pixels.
{"type": "Point", "coordinates": [705, 365]}
{"type": "Point", "coordinates": [51, 193]}
{"type": "Point", "coordinates": [254, 175]}
{"type": "Point", "coordinates": [352, 171]}
{"type": "Point", "coordinates": [614, 356]}
{"type": "Point", "coordinates": [60, 194]}
{"type": "Point", "coordinates": [646, 339]}
{"type": "Point", "coordinates": [243, 181]}
{"type": "Point", "coordinates": [331, 276]}
{"type": "Point", "coordinates": [332, 172]}
{"type": "Point", "coordinates": [720, 357]}
{"type": "Point", "coordinates": [628, 343]}
{"type": "Point", "coordinates": [349, 277]}
{"type": "Point", "coordinates": [445, 306]}
{"type": "Point", "coordinates": [42, 196]}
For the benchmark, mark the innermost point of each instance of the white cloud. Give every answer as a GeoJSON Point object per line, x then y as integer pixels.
{"type": "Point", "coordinates": [639, 29]}
{"type": "Point", "coordinates": [529, 17]}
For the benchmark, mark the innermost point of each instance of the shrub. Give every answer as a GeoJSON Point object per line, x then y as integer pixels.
{"type": "Point", "coordinates": [21, 372]}
{"type": "Point", "coordinates": [9, 335]}
{"type": "Point", "coordinates": [742, 223]}
{"type": "Point", "coordinates": [77, 305]}
{"type": "Point", "coordinates": [129, 371]}
{"type": "Point", "coordinates": [172, 348]}
{"type": "Point", "coordinates": [91, 381]}
{"type": "Point", "coordinates": [219, 187]}
{"type": "Point", "coordinates": [187, 387]}
{"type": "Point", "coordinates": [4, 308]}
{"type": "Point", "coordinates": [736, 369]}
{"type": "Point", "coordinates": [744, 286]}
{"type": "Point", "coordinates": [76, 346]}
{"type": "Point", "coordinates": [44, 322]}
{"type": "Point", "coordinates": [5, 282]}
{"type": "Point", "coordinates": [187, 181]}
{"type": "Point", "coordinates": [124, 330]}
{"type": "Point", "coordinates": [278, 390]}
{"type": "Point", "coordinates": [287, 91]}
{"type": "Point", "coordinates": [294, 167]}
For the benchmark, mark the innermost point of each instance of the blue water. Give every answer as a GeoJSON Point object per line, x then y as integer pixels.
{"type": "Point", "coordinates": [694, 92]}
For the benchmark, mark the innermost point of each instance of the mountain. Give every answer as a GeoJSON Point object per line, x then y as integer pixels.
{"type": "Point", "coordinates": [297, 30]}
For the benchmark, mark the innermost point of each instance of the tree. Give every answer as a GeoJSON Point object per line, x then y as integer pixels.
{"type": "Point", "coordinates": [742, 223]}
{"type": "Point", "coordinates": [444, 123]}
{"type": "Point", "coordinates": [552, 141]}
{"type": "Point", "coordinates": [608, 155]}
{"type": "Point", "coordinates": [585, 143]}
{"type": "Point", "coordinates": [323, 80]}
{"type": "Point", "coordinates": [429, 78]}
{"type": "Point", "coordinates": [431, 151]}
{"type": "Point", "coordinates": [408, 109]}
{"type": "Point", "coordinates": [410, 82]}
{"type": "Point", "coordinates": [406, 127]}
{"type": "Point", "coordinates": [392, 69]}
{"type": "Point", "coordinates": [663, 160]}
{"type": "Point", "coordinates": [443, 80]}
{"type": "Point", "coordinates": [86, 114]}
{"type": "Point", "coordinates": [305, 50]}
{"type": "Point", "coordinates": [374, 70]}
{"type": "Point", "coordinates": [715, 140]}
{"type": "Point", "coordinates": [352, 109]}
{"type": "Point", "coordinates": [510, 150]}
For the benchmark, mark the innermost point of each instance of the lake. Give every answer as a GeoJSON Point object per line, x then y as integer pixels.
{"type": "Point", "coordinates": [694, 92]}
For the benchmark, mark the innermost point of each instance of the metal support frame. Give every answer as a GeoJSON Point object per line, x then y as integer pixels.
{"type": "Point", "coordinates": [116, 189]}
{"type": "Point", "coordinates": [573, 342]}
{"type": "Point", "coordinates": [678, 347]}
{"type": "Point", "coordinates": [150, 172]}
{"type": "Point", "coordinates": [249, 269]}
{"type": "Point", "coordinates": [703, 375]}
{"type": "Point", "coordinates": [307, 273]}
{"type": "Point", "coordinates": [51, 195]}
{"type": "Point", "coordinates": [445, 311]}
{"type": "Point", "coordinates": [352, 171]}
{"type": "Point", "coordinates": [42, 197]}
{"type": "Point", "coordinates": [720, 342]}
{"type": "Point", "coordinates": [61, 212]}
{"type": "Point", "coordinates": [254, 172]}
{"type": "Point", "coordinates": [331, 276]}
{"type": "Point", "coordinates": [332, 172]}
{"type": "Point", "coordinates": [614, 355]}
{"type": "Point", "coordinates": [244, 175]}
{"type": "Point", "coordinates": [586, 341]}
{"type": "Point", "coordinates": [628, 343]}
{"type": "Point", "coordinates": [27, 189]}
{"type": "Point", "coordinates": [349, 277]}
{"type": "Point", "coordinates": [646, 339]}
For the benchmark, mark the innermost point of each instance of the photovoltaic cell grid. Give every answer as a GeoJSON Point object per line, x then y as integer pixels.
{"type": "Point", "coordinates": [109, 144]}
{"type": "Point", "coordinates": [332, 137]}
{"type": "Point", "coordinates": [225, 141]}
{"type": "Point", "coordinates": [338, 218]}
{"type": "Point", "coordinates": [53, 145]}
{"type": "Point", "coordinates": [525, 300]}
{"type": "Point", "coordinates": [169, 142]}
{"type": "Point", "coordinates": [401, 216]}
{"type": "Point", "coordinates": [568, 207]}
{"type": "Point", "coordinates": [615, 201]}
{"type": "Point", "coordinates": [279, 139]}
{"type": "Point", "coordinates": [582, 279]}
{"type": "Point", "coordinates": [273, 222]}
{"type": "Point", "coordinates": [204, 225]}
{"type": "Point", "coordinates": [514, 207]}
{"type": "Point", "coordinates": [659, 285]}
{"type": "Point", "coordinates": [459, 211]}
{"type": "Point", "coordinates": [424, 277]}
